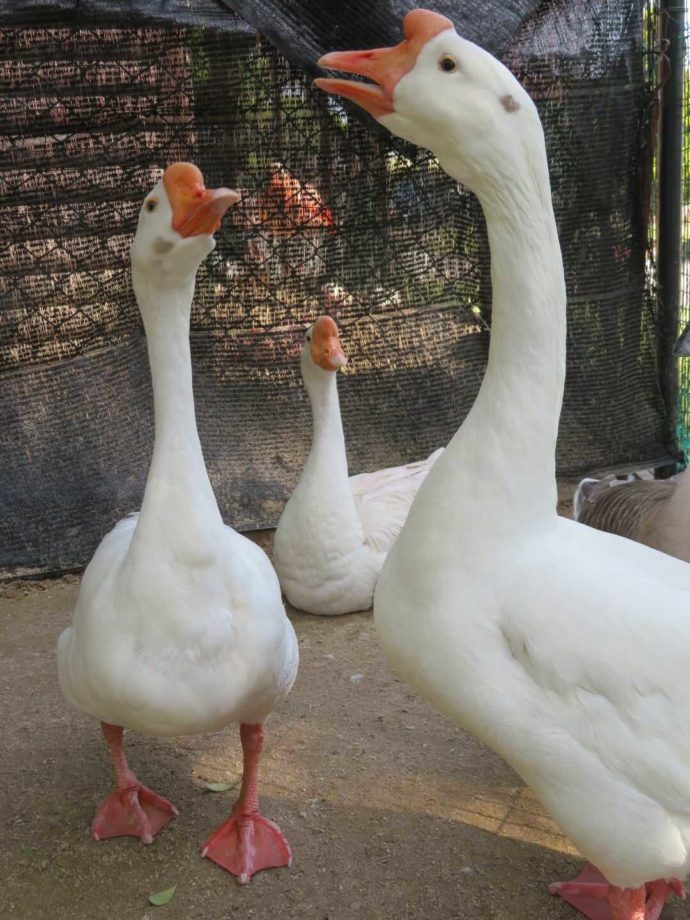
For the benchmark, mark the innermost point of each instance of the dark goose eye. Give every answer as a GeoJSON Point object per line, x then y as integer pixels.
{"type": "Point", "coordinates": [151, 204]}
{"type": "Point", "coordinates": [447, 64]}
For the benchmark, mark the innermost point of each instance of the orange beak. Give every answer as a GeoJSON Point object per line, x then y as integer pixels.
{"type": "Point", "coordinates": [326, 350]}
{"type": "Point", "coordinates": [385, 66]}
{"type": "Point", "coordinates": [196, 209]}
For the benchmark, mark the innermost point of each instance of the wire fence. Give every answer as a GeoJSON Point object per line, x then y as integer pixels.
{"type": "Point", "coordinates": [684, 366]}
{"type": "Point", "coordinates": [333, 218]}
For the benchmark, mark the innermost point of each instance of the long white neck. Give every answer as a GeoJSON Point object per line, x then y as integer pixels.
{"type": "Point", "coordinates": [506, 447]}
{"type": "Point", "coordinates": [179, 509]}
{"type": "Point", "coordinates": [327, 460]}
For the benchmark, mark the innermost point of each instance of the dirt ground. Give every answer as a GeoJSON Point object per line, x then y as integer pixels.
{"type": "Point", "coordinates": [392, 812]}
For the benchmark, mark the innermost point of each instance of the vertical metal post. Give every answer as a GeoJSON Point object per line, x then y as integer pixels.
{"type": "Point", "coordinates": [670, 166]}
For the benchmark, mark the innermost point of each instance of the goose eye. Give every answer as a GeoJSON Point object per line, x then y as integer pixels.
{"type": "Point", "coordinates": [447, 64]}
{"type": "Point", "coordinates": [151, 204]}
{"type": "Point", "coordinates": [309, 337]}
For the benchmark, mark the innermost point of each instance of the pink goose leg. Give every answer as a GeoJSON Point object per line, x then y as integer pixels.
{"type": "Point", "coordinates": [248, 842]}
{"type": "Point", "coordinates": [591, 895]}
{"type": "Point", "coordinates": [131, 809]}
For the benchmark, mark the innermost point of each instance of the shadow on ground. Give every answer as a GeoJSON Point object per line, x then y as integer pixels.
{"type": "Point", "coordinates": [392, 812]}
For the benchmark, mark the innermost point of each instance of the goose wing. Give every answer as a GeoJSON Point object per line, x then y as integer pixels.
{"type": "Point", "coordinates": [383, 499]}
{"type": "Point", "coordinates": [599, 646]}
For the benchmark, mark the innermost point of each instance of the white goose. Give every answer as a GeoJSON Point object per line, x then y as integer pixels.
{"type": "Point", "coordinates": [334, 532]}
{"type": "Point", "coordinates": [565, 649]}
{"type": "Point", "coordinates": [179, 626]}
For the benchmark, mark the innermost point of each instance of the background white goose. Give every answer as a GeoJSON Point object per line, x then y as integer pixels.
{"type": "Point", "coordinates": [335, 531]}
{"type": "Point", "coordinates": [179, 625]}
{"type": "Point", "coordinates": [564, 648]}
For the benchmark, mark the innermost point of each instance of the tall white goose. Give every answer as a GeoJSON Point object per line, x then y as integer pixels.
{"type": "Point", "coordinates": [565, 649]}
{"type": "Point", "coordinates": [179, 626]}
{"type": "Point", "coordinates": [334, 532]}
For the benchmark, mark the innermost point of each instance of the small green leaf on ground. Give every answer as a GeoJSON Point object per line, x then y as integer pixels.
{"type": "Point", "coordinates": [162, 897]}
{"type": "Point", "coordinates": [223, 787]}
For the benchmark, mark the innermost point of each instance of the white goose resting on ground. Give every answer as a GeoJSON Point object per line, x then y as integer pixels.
{"type": "Point", "coordinates": [179, 626]}
{"type": "Point", "coordinates": [334, 532]}
{"type": "Point", "coordinates": [565, 649]}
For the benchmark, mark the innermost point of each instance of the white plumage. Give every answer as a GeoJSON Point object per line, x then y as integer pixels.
{"type": "Point", "coordinates": [383, 499]}
{"type": "Point", "coordinates": [173, 643]}
{"type": "Point", "coordinates": [179, 626]}
{"type": "Point", "coordinates": [335, 531]}
{"type": "Point", "coordinates": [565, 649]}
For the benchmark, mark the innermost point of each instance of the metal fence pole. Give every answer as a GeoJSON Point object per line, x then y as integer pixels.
{"type": "Point", "coordinates": [670, 164]}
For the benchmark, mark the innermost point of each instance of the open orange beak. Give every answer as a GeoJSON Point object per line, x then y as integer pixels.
{"type": "Point", "coordinates": [196, 209]}
{"type": "Point", "coordinates": [326, 350]}
{"type": "Point", "coordinates": [384, 66]}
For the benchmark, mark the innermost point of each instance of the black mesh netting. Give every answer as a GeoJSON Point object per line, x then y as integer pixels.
{"type": "Point", "coordinates": [334, 218]}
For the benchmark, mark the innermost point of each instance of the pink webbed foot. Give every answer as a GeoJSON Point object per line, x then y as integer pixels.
{"type": "Point", "coordinates": [658, 892]}
{"type": "Point", "coordinates": [245, 844]}
{"type": "Point", "coordinates": [132, 811]}
{"type": "Point", "coordinates": [588, 893]}
{"type": "Point", "coordinates": [592, 896]}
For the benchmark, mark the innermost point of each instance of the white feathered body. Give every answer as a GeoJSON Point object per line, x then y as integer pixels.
{"type": "Point", "coordinates": [585, 693]}
{"type": "Point", "coordinates": [383, 499]}
{"type": "Point", "coordinates": [168, 648]}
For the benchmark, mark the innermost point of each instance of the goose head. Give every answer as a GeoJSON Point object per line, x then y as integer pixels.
{"type": "Point", "coordinates": [443, 93]}
{"type": "Point", "coordinates": [322, 354]}
{"type": "Point", "coordinates": [176, 225]}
